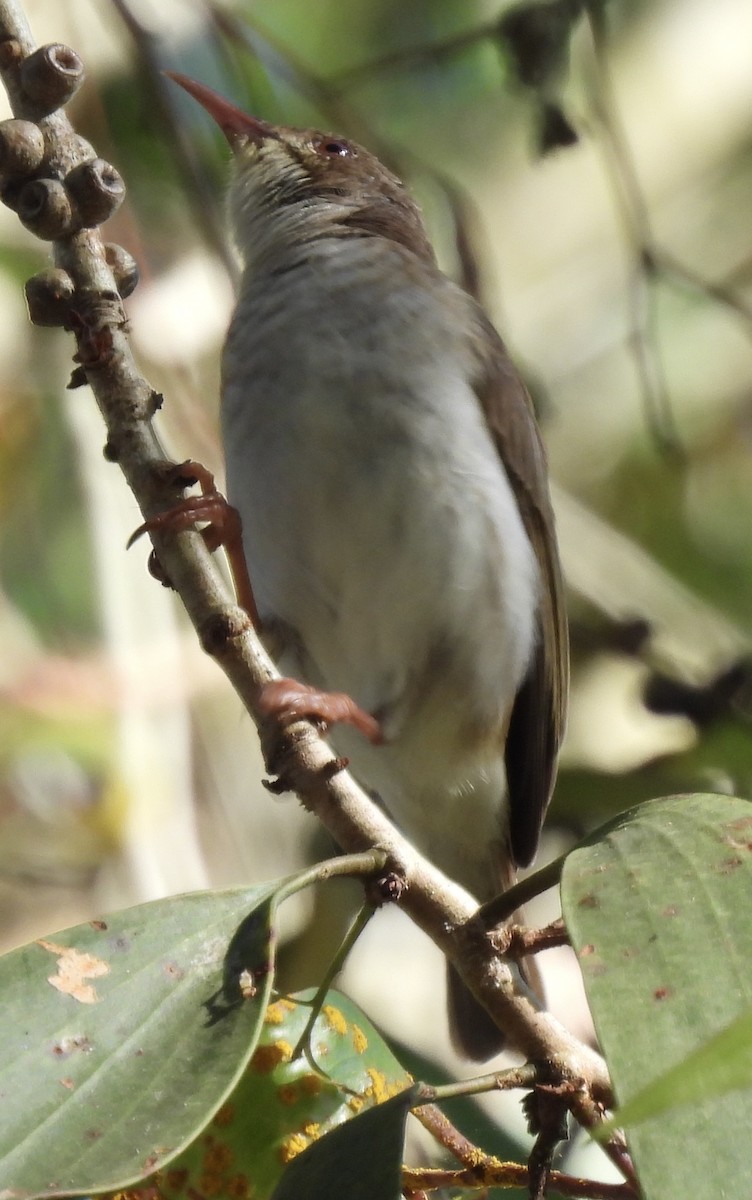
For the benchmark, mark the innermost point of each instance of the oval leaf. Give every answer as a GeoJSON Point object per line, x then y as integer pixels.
{"type": "Point", "coordinates": [283, 1105]}
{"type": "Point", "coordinates": [122, 1037]}
{"type": "Point", "coordinates": [361, 1160]}
{"type": "Point", "coordinates": [724, 1064]}
{"type": "Point", "coordinates": [656, 905]}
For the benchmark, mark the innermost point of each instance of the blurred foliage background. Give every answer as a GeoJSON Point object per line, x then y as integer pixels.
{"type": "Point", "coordinates": [589, 169]}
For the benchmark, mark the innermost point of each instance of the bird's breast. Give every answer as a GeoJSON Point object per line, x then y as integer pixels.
{"type": "Point", "coordinates": [379, 522]}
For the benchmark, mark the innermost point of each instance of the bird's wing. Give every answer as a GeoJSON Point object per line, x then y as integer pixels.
{"type": "Point", "coordinates": [538, 717]}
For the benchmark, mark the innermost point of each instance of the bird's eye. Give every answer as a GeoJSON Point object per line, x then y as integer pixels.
{"type": "Point", "coordinates": [333, 148]}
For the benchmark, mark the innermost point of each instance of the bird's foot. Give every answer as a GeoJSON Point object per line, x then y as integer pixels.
{"type": "Point", "coordinates": [282, 701]}
{"type": "Point", "coordinates": [288, 700]}
{"type": "Point", "coordinates": [223, 528]}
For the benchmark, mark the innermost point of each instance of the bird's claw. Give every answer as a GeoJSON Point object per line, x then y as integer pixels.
{"type": "Point", "coordinates": [210, 506]}
{"type": "Point", "coordinates": [289, 700]}
{"type": "Point", "coordinates": [223, 527]}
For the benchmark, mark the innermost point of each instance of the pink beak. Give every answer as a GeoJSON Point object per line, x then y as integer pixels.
{"type": "Point", "coordinates": [236, 125]}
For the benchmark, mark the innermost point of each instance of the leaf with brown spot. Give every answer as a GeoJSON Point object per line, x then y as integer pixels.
{"type": "Point", "coordinates": [669, 917]}
{"type": "Point", "coordinates": [148, 1063]}
{"type": "Point", "coordinates": [73, 969]}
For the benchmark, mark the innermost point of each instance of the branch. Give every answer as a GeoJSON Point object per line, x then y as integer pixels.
{"type": "Point", "coordinates": [511, 1175]}
{"type": "Point", "coordinates": [479, 1170]}
{"type": "Point", "coordinates": [89, 306]}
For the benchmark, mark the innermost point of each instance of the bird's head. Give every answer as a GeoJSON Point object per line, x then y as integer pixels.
{"type": "Point", "coordinates": [293, 186]}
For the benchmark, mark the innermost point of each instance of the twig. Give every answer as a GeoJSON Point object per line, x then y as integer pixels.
{"type": "Point", "coordinates": [446, 1134]}
{"type": "Point", "coordinates": [525, 1076]}
{"type": "Point", "coordinates": [203, 198]}
{"type": "Point", "coordinates": [638, 233]}
{"type": "Point", "coordinates": [523, 940]}
{"type": "Point", "coordinates": [494, 1173]}
{"type": "Point", "coordinates": [502, 907]}
{"type": "Point", "coordinates": [722, 293]}
{"type": "Point", "coordinates": [433, 52]}
{"type": "Point", "coordinates": [358, 925]}
{"type": "Point", "coordinates": [589, 1113]}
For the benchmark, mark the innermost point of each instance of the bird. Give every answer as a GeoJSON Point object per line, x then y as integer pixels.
{"type": "Point", "coordinates": [385, 459]}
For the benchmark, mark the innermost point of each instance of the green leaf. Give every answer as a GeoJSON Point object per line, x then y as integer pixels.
{"type": "Point", "coordinates": [122, 1037]}
{"type": "Point", "coordinates": [360, 1160]}
{"type": "Point", "coordinates": [724, 1064]}
{"type": "Point", "coordinates": [282, 1105]}
{"type": "Point", "coordinates": [656, 903]}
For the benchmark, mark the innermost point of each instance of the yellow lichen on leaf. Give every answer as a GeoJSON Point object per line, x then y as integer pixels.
{"type": "Point", "coordinates": [291, 1146]}
{"type": "Point", "coordinates": [277, 1012]}
{"type": "Point", "coordinates": [335, 1019]}
{"type": "Point", "coordinates": [378, 1089]}
{"type": "Point", "coordinates": [360, 1041]}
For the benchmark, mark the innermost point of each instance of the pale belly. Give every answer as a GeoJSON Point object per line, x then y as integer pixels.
{"type": "Point", "coordinates": [381, 531]}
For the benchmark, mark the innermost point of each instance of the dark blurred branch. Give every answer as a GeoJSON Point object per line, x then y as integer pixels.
{"type": "Point", "coordinates": [721, 293]}
{"type": "Point", "coordinates": [411, 56]}
{"type": "Point", "coordinates": [650, 263]}
{"type": "Point", "coordinates": [635, 219]}
{"type": "Point", "coordinates": [282, 62]}
{"type": "Point", "coordinates": [728, 694]}
{"type": "Point", "coordinates": [195, 186]}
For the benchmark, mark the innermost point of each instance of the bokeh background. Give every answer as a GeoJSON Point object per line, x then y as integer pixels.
{"type": "Point", "coordinates": [590, 173]}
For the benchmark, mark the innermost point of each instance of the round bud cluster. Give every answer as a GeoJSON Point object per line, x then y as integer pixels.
{"type": "Point", "coordinates": [50, 293]}
{"type": "Point", "coordinates": [48, 206]}
{"type": "Point", "coordinates": [123, 267]}
{"type": "Point", "coordinates": [44, 207]}
{"type": "Point", "coordinates": [50, 77]}
{"type": "Point", "coordinates": [96, 189]}
{"type": "Point", "coordinates": [55, 199]}
{"type": "Point", "coordinates": [21, 148]}
{"type": "Point", "coordinates": [48, 297]}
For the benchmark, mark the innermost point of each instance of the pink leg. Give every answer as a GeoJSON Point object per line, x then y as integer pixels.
{"type": "Point", "coordinates": [286, 699]}
{"type": "Point", "coordinates": [224, 528]}
{"type": "Point", "coordinates": [289, 700]}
